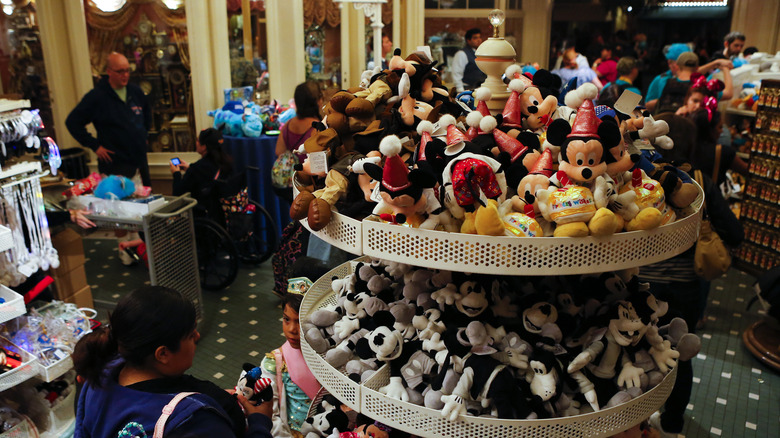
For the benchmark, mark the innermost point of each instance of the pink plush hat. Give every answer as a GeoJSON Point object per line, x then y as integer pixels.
{"type": "Point", "coordinates": [586, 124]}
{"type": "Point", "coordinates": [543, 165]}
{"type": "Point", "coordinates": [512, 115]}
{"type": "Point", "coordinates": [454, 135]}
{"type": "Point", "coordinates": [504, 141]}
{"type": "Point", "coordinates": [395, 174]}
{"type": "Point", "coordinates": [482, 95]}
{"type": "Point", "coordinates": [424, 128]}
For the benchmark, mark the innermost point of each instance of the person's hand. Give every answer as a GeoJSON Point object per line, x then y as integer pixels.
{"type": "Point", "coordinates": [681, 111]}
{"type": "Point", "coordinates": [265, 408]}
{"type": "Point", "coordinates": [725, 64]}
{"type": "Point", "coordinates": [184, 166]}
{"type": "Point", "coordinates": [175, 168]}
{"type": "Point", "coordinates": [78, 217]}
{"type": "Point", "coordinates": [104, 154]}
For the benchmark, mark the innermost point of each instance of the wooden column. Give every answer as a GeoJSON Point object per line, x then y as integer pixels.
{"type": "Point", "coordinates": [537, 23]}
{"type": "Point", "coordinates": [758, 20]}
{"type": "Point", "coordinates": [286, 63]}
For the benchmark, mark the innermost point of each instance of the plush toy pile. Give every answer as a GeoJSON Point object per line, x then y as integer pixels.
{"type": "Point", "coordinates": [331, 418]}
{"type": "Point", "coordinates": [248, 119]}
{"type": "Point", "coordinates": [400, 150]}
{"type": "Point", "coordinates": [508, 347]}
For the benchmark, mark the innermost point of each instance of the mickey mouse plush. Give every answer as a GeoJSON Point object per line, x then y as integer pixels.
{"type": "Point", "coordinates": [402, 190]}
{"type": "Point", "coordinates": [537, 101]}
{"type": "Point", "coordinates": [251, 385]}
{"type": "Point", "coordinates": [579, 206]}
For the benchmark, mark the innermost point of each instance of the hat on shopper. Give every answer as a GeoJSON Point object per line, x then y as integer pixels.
{"type": "Point", "coordinates": [688, 59]}
{"type": "Point", "coordinates": [675, 50]}
{"type": "Point", "coordinates": [298, 285]}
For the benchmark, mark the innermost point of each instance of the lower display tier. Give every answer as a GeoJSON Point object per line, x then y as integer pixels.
{"type": "Point", "coordinates": [425, 422]}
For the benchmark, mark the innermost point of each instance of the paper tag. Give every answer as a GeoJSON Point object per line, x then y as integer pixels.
{"type": "Point", "coordinates": [426, 50]}
{"type": "Point", "coordinates": [59, 354]}
{"type": "Point", "coordinates": [318, 161]}
{"type": "Point", "coordinates": [627, 102]}
{"type": "Point", "coordinates": [247, 111]}
{"type": "Point", "coordinates": [376, 196]}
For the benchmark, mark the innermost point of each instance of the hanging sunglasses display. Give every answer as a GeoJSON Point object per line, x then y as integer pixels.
{"type": "Point", "coordinates": [22, 211]}
{"type": "Point", "coordinates": [19, 133]}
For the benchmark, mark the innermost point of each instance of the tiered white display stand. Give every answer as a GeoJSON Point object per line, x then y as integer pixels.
{"type": "Point", "coordinates": [490, 255]}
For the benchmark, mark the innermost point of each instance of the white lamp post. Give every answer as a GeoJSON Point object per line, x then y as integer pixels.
{"type": "Point", "coordinates": [493, 56]}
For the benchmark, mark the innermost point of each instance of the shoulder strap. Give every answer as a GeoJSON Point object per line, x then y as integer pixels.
{"type": "Point", "coordinates": [279, 364]}
{"type": "Point", "coordinates": [167, 410]}
{"type": "Point", "coordinates": [699, 178]}
{"type": "Point", "coordinates": [716, 166]}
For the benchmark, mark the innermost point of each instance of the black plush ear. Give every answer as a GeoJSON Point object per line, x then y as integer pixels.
{"type": "Point", "coordinates": [319, 126]}
{"type": "Point", "coordinates": [397, 51]}
{"type": "Point", "coordinates": [363, 349]}
{"type": "Point", "coordinates": [557, 132]}
{"type": "Point", "coordinates": [421, 178]}
{"type": "Point", "coordinates": [247, 367]}
{"type": "Point", "coordinates": [529, 140]}
{"type": "Point", "coordinates": [609, 133]}
{"type": "Point", "coordinates": [543, 78]}
{"type": "Point", "coordinates": [373, 171]}
{"type": "Point", "coordinates": [384, 318]}
{"type": "Point", "coordinates": [337, 420]}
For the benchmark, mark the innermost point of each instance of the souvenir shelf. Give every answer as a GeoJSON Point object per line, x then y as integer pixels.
{"type": "Point", "coordinates": [512, 255]}
{"type": "Point", "coordinates": [491, 255]}
{"type": "Point", "coordinates": [760, 213]}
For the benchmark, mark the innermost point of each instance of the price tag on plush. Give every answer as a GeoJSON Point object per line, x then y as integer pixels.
{"type": "Point", "coordinates": [318, 162]}
{"type": "Point", "coordinates": [627, 102]}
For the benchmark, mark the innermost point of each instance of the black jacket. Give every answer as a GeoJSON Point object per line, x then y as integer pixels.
{"type": "Point", "coordinates": [121, 127]}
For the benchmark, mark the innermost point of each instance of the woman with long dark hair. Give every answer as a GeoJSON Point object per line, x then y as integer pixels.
{"type": "Point", "coordinates": [135, 366]}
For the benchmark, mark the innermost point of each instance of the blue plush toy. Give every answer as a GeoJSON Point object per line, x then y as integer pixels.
{"type": "Point", "coordinates": [229, 122]}
{"type": "Point", "coordinates": [115, 187]}
{"type": "Point", "coordinates": [253, 125]}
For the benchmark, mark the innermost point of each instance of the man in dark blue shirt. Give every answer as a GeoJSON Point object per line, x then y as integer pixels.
{"type": "Point", "coordinates": [121, 115]}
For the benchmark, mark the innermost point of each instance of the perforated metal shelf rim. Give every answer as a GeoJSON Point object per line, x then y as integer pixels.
{"type": "Point", "coordinates": [427, 422]}
{"type": "Point", "coordinates": [514, 255]}
{"type": "Point", "coordinates": [13, 305]}
{"type": "Point", "coordinates": [334, 381]}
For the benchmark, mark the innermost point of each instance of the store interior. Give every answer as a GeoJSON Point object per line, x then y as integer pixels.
{"type": "Point", "coordinates": [235, 65]}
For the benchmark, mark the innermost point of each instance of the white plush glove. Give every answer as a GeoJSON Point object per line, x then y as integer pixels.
{"type": "Point", "coordinates": [446, 295]}
{"type": "Point", "coordinates": [346, 326]}
{"type": "Point", "coordinates": [653, 128]}
{"type": "Point", "coordinates": [664, 356]}
{"type": "Point", "coordinates": [357, 166]}
{"type": "Point", "coordinates": [454, 407]}
{"type": "Point", "coordinates": [664, 142]}
{"type": "Point", "coordinates": [395, 389]}
{"type": "Point", "coordinates": [630, 376]}
{"type": "Point", "coordinates": [434, 343]}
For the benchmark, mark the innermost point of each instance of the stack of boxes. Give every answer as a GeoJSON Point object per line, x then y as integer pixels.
{"type": "Point", "coordinates": [70, 278]}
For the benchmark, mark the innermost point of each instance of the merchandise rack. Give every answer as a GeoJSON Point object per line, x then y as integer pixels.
{"type": "Point", "coordinates": [760, 213]}
{"type": "Point", "coordinates": [492, 255]}
{"type": "Point", "coordinates": [170, 245]}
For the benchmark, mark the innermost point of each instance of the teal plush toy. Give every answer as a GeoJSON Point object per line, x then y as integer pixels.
{"type": "Point", "coordinates": [253, 125]}
{"type": "Point", "coordinates": [115, 187]}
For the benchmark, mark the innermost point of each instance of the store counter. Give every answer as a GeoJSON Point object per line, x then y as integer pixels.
{"type": "Point", "coordinates": [260, 153]}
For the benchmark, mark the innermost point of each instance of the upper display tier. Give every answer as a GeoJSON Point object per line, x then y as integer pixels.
{"type": "Point", "coordinates": [513, 255]}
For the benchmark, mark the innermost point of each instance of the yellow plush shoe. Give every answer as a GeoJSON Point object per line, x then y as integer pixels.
{"type": "Point", "coordinates": [487, 220]}
{"type": "Point", "coordinates": [573, 229]}
{"type": "Point", "coordinates": [467, 227]}
{"type": "Point", "coordinates": [603, 222]}
{"type": "Point", "coordinates": [646, 219]}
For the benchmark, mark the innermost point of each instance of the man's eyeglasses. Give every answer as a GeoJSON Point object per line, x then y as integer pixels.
{"type": "Point", "coordinates": [122, 71]}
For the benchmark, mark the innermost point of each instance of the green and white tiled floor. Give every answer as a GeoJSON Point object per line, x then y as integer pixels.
{"type": "Point", "coordinates": [734, 395]}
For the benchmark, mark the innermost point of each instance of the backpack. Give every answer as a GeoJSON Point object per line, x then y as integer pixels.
{"type": "Point", "coordinates": [673, 96]}
{"type": "Point", "coordinates": [611, 93]}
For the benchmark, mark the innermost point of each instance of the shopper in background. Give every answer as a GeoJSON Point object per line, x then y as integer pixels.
{"type": "Point", "coordinates": [701, 107]}
{"type": "Point", "coordinates": [606, 66]}
{"type": "Point", "coordinates": [308, 101]}
{"type": "Point", "coordinates": [136, 365]}
{"type": "Point", "coordinates": [675, 281]}
{"type": "Point", "coordinates": [570, 69]}
{"type": "Point", "coordinates": [656, 87]}
{"type": "Point", "coordinates": [294, 384]}
{"type": "Point", "coordinates": [465, 72]}
{"type": "Point", "coordinates": [121, 116]}
{"type": "Point", "coordinates": [387, 49]}
{"type": "Point", "coordinates": [733, 43]}
{"type": "Point", "coordinates": [627, 71]}
{"type": "Point", "coordinates": [199, 178]}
